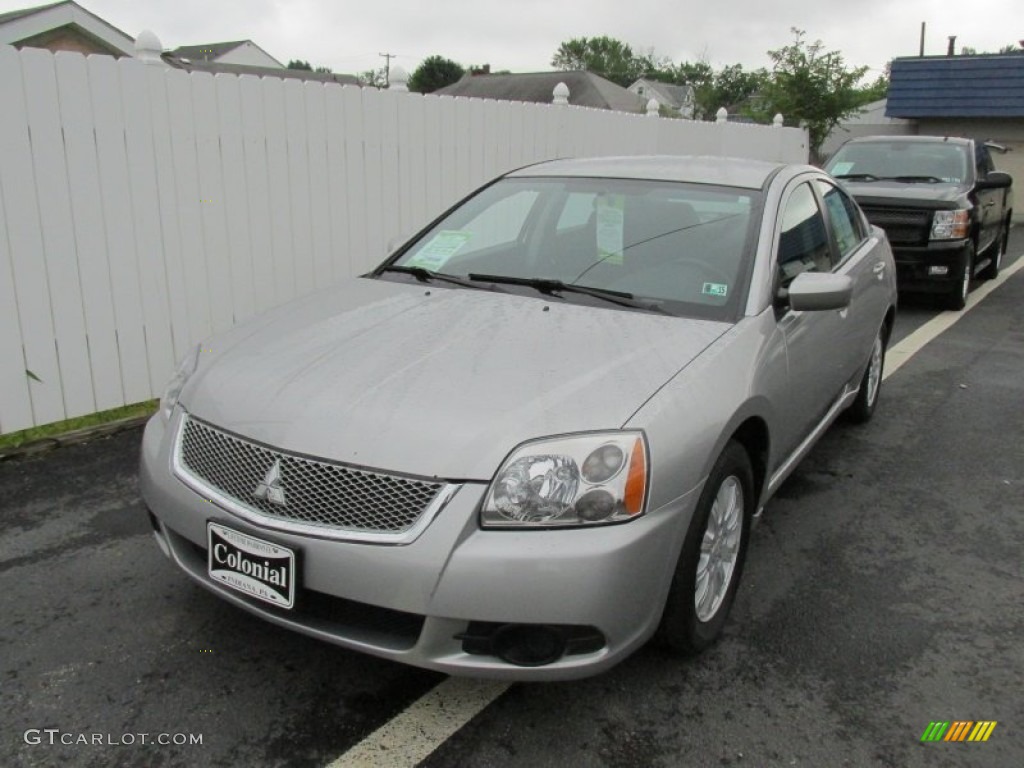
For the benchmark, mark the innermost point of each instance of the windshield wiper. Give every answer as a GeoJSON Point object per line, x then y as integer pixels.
{"type": "Point", "coordinates": [914, 179]}
{"type": "Point", "coordinates": [857, 176]}
{"type": "Point", "coordinates": [551, 286]}
{"type": "Point", "coordinates": [425, 275]}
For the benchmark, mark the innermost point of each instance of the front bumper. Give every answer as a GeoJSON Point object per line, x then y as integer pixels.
{"type": "Point", "coordinates": [413, 602]}
{"type": "Point", "coordinates": [916, 265]}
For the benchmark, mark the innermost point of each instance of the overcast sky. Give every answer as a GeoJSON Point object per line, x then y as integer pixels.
{"type": "Point", "coordinates": [522, 35]}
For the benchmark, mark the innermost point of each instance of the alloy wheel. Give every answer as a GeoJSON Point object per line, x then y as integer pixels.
{"type": "Point", "coordinates": [719, 549]}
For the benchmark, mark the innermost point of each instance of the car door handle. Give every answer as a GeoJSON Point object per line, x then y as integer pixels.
{"type": "Point", "coordinates": [879, 267]}
{"type": "Point", "coordinates": [989, 204]}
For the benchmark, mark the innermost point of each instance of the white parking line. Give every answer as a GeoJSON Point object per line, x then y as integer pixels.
{"type": "Point", "coordinates": [899, 353]}
{"type": "Point", "coordinates": [424, 725]}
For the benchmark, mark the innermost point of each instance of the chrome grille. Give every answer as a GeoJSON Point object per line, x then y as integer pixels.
{"type": "Point", "coordinates": [316, 493]}
{"type": "Point", "coordinates": [903, 226]}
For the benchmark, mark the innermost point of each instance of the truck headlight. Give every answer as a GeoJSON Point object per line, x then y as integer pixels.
{"type": "Point", "coordinates": [185, 369]}
{"type": "Point", "coordinates": [950, 225]}
{"type": "Point", "coordinates": [587, 479]}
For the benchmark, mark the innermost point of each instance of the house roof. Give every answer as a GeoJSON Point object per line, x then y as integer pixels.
{"type": "Point", "coordinates": [216, 67]}
{"type": "Point", "coordinates": [30, 23]}
{"type": "Point", "coordinates": [585, 89]}
{"type": "Point", "coordinates": [207, 51]}
{"type": "Point", "coordinates": [17, 14]}
{"type": "Point", "coordinates": [957, 86]}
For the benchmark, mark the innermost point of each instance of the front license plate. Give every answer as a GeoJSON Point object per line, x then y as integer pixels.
{"type": "Point", "coordinates": [252, 566]}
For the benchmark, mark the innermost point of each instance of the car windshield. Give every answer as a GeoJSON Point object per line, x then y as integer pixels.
{"type": "Point", "coordinates": [665, 246]}
{"type": "Point", "coordinates": [907, 161]}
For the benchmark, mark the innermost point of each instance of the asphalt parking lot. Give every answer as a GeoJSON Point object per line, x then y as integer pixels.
{"type": "Point", "coordinates": [884, 590]}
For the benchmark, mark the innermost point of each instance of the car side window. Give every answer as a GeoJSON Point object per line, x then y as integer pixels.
{"type": "Point", "coordinates": [843, 217]}
{"type": "Point", "coordinates": [803, 244]}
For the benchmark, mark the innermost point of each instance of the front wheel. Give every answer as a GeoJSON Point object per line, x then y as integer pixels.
{"type": "Point", "coordinates": [711, 562]}
{"type": "Point", "coordinates": [863, 407]}
{"type": "Point", "coordinates": [957, 298]}
{"type": "Point", "coordinates": [991, 272]}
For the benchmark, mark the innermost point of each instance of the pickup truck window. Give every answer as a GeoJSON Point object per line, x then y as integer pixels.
{"type": "Point", "coordinates": [925, 162]}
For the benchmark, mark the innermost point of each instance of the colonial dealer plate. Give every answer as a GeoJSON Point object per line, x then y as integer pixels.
{"type": "Point", "coordinates": [252, 566]}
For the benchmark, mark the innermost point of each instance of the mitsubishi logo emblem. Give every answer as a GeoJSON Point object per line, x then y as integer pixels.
{"type": "Point", "coordinates": [270, 489]}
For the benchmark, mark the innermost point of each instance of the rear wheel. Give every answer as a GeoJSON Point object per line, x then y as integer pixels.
{"type": "Point", "coordinates": [957, 298]}
{"type": "Point", "coordinates": [863, 407]}
{"type": "Point", "coordinates": [711, 562]}
{"type": "Point", "coordinates": [991, 272]}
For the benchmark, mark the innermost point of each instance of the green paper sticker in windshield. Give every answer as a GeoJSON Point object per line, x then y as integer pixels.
{"type": "Point", "coordinates": [439, 249]}
{"type": "Point", "coordinates": [841, 169]}
{"type": "Point", "coordinates": [609, 228]}
{"type": "Point", "coordinates": [715, 289]}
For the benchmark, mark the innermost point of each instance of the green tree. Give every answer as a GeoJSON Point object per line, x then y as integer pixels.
{"type": "Point", "coordinates": [733, 84]}
{"type": "Point", "coordinates": [812, 86]}
{"type": "Point", "coordinates": [1011, 48]}
{"type": "Point", "coordinates": [435, 72]}
{"type": "Point", "coordinates": [305, 65]}
{"type": "Point", "coordinates": [375, 78]}
{"type": "Point", "coordinates": [605, 56]}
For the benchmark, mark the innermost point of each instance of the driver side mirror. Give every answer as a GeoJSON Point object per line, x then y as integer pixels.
{"type": "Point", "coordinates": [817, 291]}
{"type": "Point", "coordinates": [995, 180]}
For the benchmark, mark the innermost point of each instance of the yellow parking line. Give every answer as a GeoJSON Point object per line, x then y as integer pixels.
{"type": "Point", "coordinates": [899, 353]}
{"type": "Point", "coordinates": [422, 726]}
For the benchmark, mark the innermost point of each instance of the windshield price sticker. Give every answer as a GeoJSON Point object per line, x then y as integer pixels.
{"type": "Point", "coordinates": [609, 228]}
{"type": "Point", "coordinates": [440, 249]}
{"type": "Point", "coordinates": [841, 169]}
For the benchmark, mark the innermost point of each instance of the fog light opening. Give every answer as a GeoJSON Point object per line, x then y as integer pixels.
{"type": "Point", "coordinates": [528, 645]}
{"type": "Point", "coordinates": [158, 534]}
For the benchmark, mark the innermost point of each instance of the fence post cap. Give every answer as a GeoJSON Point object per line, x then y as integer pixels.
{"type": "Point", "coordinates": [398, 79]}
{"type": "Point", "coordinates": [777, 120]}
{"type": "Point", "coordinates": [652, 108]}
{"type": "Point", "coordinates": [561, 94]}
{"type": "Point", "coordinates": [721, 115]}
{"type": "Point", "coordinates": [148, 47]}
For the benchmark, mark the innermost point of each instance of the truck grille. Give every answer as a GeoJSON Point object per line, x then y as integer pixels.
{"type": "Point", "coordinates": [309, 492]}
{"type": "Point", "coordinates": [904, 226]}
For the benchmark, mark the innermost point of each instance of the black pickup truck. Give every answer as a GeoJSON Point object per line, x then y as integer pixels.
{"type": "Point", "coordinates": [940, 200]}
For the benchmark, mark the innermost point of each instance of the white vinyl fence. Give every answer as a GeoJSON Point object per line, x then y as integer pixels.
{"type": "Point", "coordinates": [143, 208]}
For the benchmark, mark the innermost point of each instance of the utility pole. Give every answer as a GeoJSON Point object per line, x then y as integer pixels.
{"type": "Point", "coordinates": [387, 67]}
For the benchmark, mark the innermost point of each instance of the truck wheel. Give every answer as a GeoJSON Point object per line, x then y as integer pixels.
{"type": "Point", "coordinates": [991, 272]}
{"type": "Point", "coordinates": [957, 298]}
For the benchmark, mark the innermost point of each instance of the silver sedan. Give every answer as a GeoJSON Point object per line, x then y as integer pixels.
{"type": "Point", "coordinates": [538, 434]}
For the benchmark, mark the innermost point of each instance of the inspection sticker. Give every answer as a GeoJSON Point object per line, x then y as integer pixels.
{"type": "Point", "coordinates": [441, 247]}
{"type": "Point", "coordinates": [715, 289]}
{"type": "Point", "coordinates": [609, 228]}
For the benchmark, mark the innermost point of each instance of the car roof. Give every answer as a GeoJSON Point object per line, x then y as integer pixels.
{"type": "Point", "coordinates": [912, 140]}
{"type": "Point", "coordinates": [724, 171]}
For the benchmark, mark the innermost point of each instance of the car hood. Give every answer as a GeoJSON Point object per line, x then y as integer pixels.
{"type": "Point", "coordinates": [434, 381]}
{"type": "Point", "coordinates": [883, 191]}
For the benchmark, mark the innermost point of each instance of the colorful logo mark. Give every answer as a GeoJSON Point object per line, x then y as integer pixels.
{"type": "Point", "coordinates": [959, 730]}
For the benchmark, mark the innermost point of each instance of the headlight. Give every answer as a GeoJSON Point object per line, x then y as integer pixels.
{"type": "Point", "coordinates": [185, 369]}
{"type": "Point", "coordinates": [950, 225]}
{"type": "Point", "coordinates": [570, 481]}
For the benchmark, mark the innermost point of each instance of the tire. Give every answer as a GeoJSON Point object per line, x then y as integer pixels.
{"type": "Point", "coordinates": [957, 298]}
{"type": "Point", "coordinates": [991, 272]}
{"type": "Point", "coordinates": [697, 606]}
{"type": "Point", "coordinates": [863, 407]}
